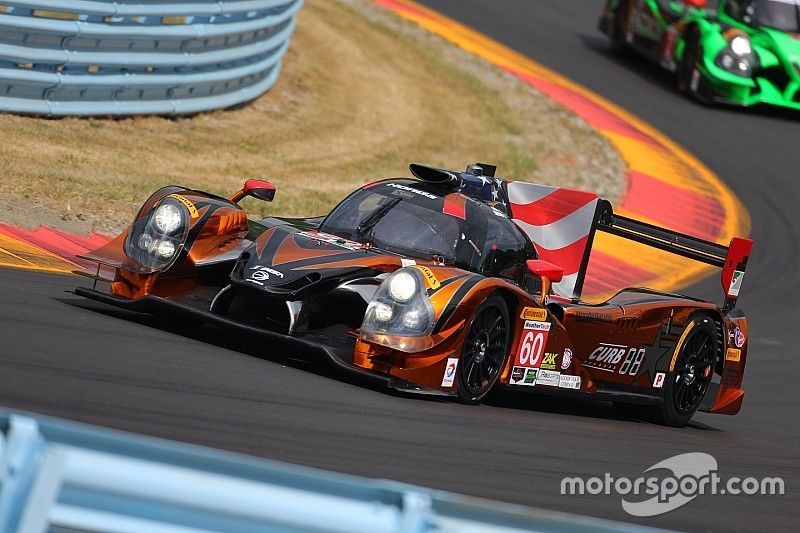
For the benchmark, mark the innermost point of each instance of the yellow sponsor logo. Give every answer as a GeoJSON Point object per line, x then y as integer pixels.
{"type": "Point", "coordinates": [733, 354]}
{"type": "Point", "coordinates": [185, 201]}
{"type": "Point", "coordinates": [430, 278]}
{"type": "Point", "coordinates": [534, 313]}
{"type": "Point", "coordinates": [549, 361]}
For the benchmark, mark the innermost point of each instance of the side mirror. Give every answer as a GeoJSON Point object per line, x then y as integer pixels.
{"type": "Point", "coordinates": [699, 4]}
{"type": "Point", "coordinates": [548, 272]}
{"type": "Point", "coordinates": [260, 189]}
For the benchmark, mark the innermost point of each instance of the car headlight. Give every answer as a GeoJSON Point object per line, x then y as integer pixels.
{"type": "Point", "coordinates": [167, 218]}
{"type": "Point", "coordinates": [155, 239]}
{"type": "Point", "coordinates": [740, 45]}
{"type": "Point", "coordinates": [400, 312]}
{"type": "Point", "coordinates": [402, 286]}
{"type": "Point", "coordinates": [738, 57]}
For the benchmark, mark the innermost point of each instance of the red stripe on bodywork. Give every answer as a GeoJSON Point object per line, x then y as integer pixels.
{"type": "Point", "coordinates": [569, 257]}
{"type": "Point", "coordinates": [674, 207]}
{"type": "Point", "coordinates": [455, 205]}
{"type": "Point", "coordinates": [553, 207]}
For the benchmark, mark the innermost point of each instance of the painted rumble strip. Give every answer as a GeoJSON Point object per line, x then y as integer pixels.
{"type": "Point", "coordinates": [45, 249]}
{"type": "Point", "coordinates": [666, 185]}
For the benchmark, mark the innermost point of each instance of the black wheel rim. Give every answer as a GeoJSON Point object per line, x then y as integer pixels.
{"type": "Point", "coordinates": [484, 350]}
{"type": "Point", "coordinates": [694, 371]}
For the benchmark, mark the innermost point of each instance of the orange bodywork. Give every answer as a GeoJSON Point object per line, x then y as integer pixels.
{"type": "Point", "coordinates": [624, 344]}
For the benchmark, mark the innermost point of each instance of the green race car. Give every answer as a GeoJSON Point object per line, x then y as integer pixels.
{"type": "Point", "coordinates": [747, 52]}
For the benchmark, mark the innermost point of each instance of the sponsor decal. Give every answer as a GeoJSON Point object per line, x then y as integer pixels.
{"type": "Point", "coordinates": [450, 372]}
{"type": "Point", "coordinates": [412, 189]}
{"type": "Point", "coordinates": [187, 203]}
{"type": "Point", "coordinates": [567, 359]}
{"type": "Point", "coordinates": [517, 375]}
{"type": "Point", "coordinates": [262, 273]}
{"type": "Point", "coordinates": [633, 361]}
{"type": "Point", "coordinates": [738, 337]}
{"type": "Point", "coordinates": [533, 313]}
{"type": "Point", "coordinates": [548, 377]}
{"type": "Point", "coordinates": [549, 361]}
{"type": "Point", "coordinates": [327, 238]}
{"type": "Point", "coordinates": [259, 275]}
{"type": "Point", "coordinates": [569, 382]}
{"type": "Point", "coordinates": [658, 381]}
{"type": "Point", "coordinates": [523, 376]}
{"type": "Point", "coordinates": [430, 278]}
{"type": "Point", "coordinates": [736, 283]}
{"type": "Point", "coordinates": [536, 326]}
{"type": "Point", "coordinates": [532, 344]}
{"type": "Point", "coordinates": [606, 357]}
{"type": "Point", "coordinates": [733, 354]}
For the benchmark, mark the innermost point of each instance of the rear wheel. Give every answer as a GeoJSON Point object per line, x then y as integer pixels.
{"type": "Point", "coordinates": [686, 386]}
{"type": "Point", "coordinates": [484, 350]}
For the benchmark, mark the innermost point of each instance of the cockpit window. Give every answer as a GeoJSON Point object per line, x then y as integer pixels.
{"type": "Point", "coordinates": [781, 15]}
{"type": "Point", "coordinates": [396, 220]}
{"type": "Point", "coordinates": [408, 219]}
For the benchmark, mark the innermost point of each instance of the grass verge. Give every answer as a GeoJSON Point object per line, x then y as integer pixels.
{"type": "Point", "coordinates": [361, 95]}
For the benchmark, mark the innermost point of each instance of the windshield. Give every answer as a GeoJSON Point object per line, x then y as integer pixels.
{"type": "Point", "coordinates": [781, 15]}
{"type": "Point", "coordinates": [410, 220]}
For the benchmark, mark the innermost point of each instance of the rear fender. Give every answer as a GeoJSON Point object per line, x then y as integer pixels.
{"type": "Point", "coordinates": [728, 399]}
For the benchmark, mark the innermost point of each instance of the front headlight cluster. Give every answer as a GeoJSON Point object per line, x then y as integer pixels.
{"type": "Point", "coordinates": [738, 57]}
{"type": "Point", "coordinates": [399, 309]}
{"type": "Point", "coordinates": [155, 240]}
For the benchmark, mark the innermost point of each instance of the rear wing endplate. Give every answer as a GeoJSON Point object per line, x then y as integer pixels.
{"type": "Point", "coordinates": [732, 259]}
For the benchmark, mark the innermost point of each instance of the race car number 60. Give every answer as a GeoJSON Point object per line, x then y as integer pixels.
{"type": "Point", "coordinates": [531, 348]}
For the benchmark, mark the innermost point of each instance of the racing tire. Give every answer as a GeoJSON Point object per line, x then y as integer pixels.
{"type": "Point", "coordinates": [484, 350]}
{"type": "Point", "coordinates": [687, 384]}
{"type": "Point", "coordinates": [688, 64]}
{"type": "Point", "coordinates": [620, 24]}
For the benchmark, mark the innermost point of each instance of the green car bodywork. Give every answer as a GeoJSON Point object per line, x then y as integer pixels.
{"type": "Point", "coordinates": [747, 52]}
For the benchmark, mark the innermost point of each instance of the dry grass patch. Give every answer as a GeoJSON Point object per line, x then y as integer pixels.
{"type": "Point", "coordinates": [361, 95]}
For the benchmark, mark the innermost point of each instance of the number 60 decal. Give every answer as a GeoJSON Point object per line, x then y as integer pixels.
{"type": "Point", "coordinates": [531, 348]}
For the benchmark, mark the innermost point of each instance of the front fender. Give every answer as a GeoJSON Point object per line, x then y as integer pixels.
{"type": "Point", "coordinates": [215, 227]}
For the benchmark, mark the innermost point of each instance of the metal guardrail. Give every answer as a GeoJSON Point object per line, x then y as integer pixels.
{"type": "Point", "coordinates": [63, 476]}
{"type": "Point", "coordinates": [126, 57]}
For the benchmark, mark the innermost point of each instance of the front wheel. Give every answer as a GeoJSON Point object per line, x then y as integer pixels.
{"type": "Point", "coordinates": [687, 68]}
{"type": "Point", "coordinates": [484, 350]}
{"type": "Point", "coordinates": [686, 386]}
{"type": "Point", "coordinates": [620, 26]}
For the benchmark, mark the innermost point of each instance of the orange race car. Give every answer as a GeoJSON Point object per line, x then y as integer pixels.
{"type": "Point", "coordinates": [451, 284]}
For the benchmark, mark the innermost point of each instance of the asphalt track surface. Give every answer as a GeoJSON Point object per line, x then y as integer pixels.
{"type": "Point", "coordinates": [62, 356]}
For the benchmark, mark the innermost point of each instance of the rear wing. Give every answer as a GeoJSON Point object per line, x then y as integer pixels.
{"type": "Point", "coordinates": [732, 259]}
{"type": "Point", "coordinates": [561, 223]}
